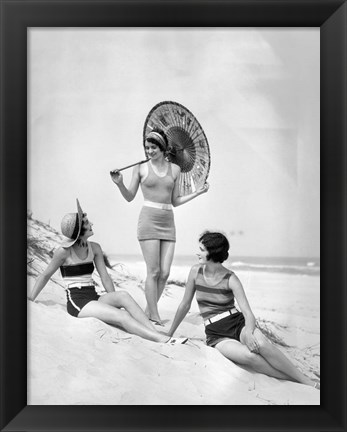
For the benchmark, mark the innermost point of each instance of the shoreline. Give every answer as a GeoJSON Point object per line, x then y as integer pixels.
{"type": "Point", "coordinates": [295, 266]}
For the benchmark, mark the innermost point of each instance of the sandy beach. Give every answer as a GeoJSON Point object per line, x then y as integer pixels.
{"type": "Point", "coordinates": [86, 362]}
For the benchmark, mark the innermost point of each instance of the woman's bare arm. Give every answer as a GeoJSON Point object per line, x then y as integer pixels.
{"type": "Point", "coordinates": [178, 200]}
{"type": "Point", "coordinates": [101, 267]}
{"type": "Point", "coordinates": [58, 259]}
{"type": "Point", "coordinates": [130, 192]}
{"type": "Point", "coordinates": [186, 302]}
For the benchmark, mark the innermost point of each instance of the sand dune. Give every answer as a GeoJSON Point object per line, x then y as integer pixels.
{"type": "Point", "coordinates": [86, 362]}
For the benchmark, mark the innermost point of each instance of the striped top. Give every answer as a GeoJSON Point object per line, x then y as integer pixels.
{"type": "Point", "coordinates": [213, 299]}
{"type": "Point", "coordinates": [76, 270]}
{"type": "Point", "coordinates": [158, 188]}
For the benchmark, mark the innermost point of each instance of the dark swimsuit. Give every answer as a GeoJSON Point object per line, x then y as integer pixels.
{"type": "Point", "coordinates": [77, 275]}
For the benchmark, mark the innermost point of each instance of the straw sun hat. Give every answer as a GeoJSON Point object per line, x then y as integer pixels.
{"type": "Point", "coordinates": [71, 225]}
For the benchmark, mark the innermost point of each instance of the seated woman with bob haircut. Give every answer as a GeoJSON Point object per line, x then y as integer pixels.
{"type": "Point", "coordinates": [232, 332]}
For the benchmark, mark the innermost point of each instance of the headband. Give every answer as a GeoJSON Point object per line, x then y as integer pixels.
{"type": "Point", "coordinates": [157, 137]}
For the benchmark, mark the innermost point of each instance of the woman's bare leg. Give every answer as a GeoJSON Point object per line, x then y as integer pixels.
{"type": "Point", "coordinates": [151, 253]}
{"type": "Point", "coordinates": [240, 354]}
{"type": "Point", "coordinates": [121, 299]}
{"type": "Point", "coordinates": [167, 250]}
{"type": "Point", "coordinates": [122, 318]}
{"type": "Point", "coordinates": [278, 360]}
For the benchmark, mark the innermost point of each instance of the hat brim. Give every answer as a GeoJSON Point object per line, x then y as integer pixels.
{"type": "Point", "coordinates": [69, 242]}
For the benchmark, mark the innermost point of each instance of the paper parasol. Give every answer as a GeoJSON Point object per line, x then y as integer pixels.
{"type": "Point", "coordinates": [188, 146]}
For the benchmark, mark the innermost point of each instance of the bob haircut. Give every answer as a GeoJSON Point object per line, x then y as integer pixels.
{"type": "Point", "coordinates": [217, 246]}
{"type": "Point", "coordinates": [158, 143]}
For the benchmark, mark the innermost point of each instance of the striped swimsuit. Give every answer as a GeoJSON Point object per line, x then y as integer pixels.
{"type": "Point", "coordinates": [216, 299]}
{"type": "Point", "coordinates": [79, 284]}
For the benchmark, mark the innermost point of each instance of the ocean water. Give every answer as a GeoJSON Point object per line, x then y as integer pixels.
{"type": "Point", "coordinates": [134, 265]}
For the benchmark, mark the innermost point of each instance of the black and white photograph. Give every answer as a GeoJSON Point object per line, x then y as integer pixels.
{"type": "Point", "coordinates": [173, 249]}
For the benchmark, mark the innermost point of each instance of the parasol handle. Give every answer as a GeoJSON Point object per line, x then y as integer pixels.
{"type": "Point", "coordinates": [129, 166]}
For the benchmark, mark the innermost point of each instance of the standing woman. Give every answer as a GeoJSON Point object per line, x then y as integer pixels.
{"type": "Point", "coordinates": [159, 180]}
{"type": "Point", "coordinates": [77, 258]}
{"type": "Point", "coordinates": [232, 332]}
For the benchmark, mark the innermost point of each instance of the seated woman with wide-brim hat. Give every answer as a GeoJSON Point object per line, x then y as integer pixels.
{"type": "Point", "coordinates": [77, 257]}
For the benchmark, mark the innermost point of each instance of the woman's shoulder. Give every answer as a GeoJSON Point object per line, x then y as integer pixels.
{"type": "Point", "coordinates": [175, 169]}
{"type": "Point", "coordinates": [229, 271]}
{"type": "Point", "coordinates": [233, 280]}
{"type": "Point", "coordinates": [194, 270]}
{"type": "Point", "coordinates": [229, 274]}
{"type": "Point", "coordinates": [137, 168]}
{"type": "Point", "coordinates": [62, 253]}
{"type": "Point", "coordinates": [141, 171]}
{"type": "Point", "coordinates": [95, 246]}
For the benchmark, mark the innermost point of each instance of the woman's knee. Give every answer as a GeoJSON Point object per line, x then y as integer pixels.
{"type": "Point", "coordinates": [251, 359]}
{"type": "Point", "coordinates": [117, 299]}
{"type": "Point", "coordinates": [164, 275]}
{"type": "Point", "coordinates": [153, 273]}
{"type": "Point", "coordinates": [123, 296]}
{"type": "Point", "coordinates": [263, 343]}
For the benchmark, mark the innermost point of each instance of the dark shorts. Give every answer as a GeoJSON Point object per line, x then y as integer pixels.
{"type": "Point", "coordinates": [77, 298]}
{"type": "Point", "coordinates": [227, 328]}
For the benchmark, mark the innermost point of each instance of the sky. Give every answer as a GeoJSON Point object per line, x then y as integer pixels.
{"type": "Point", "coordinates": [255, 92]}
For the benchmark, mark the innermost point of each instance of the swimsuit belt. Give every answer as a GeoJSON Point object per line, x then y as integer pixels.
{"type": "Point", "coordinates": [161, 206]}
{"type": "Point", "coordinates": [220, 316]}
{"type": "Point", "coordinates": [80, 284]}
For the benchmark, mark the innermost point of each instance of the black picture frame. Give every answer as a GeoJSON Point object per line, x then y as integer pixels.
{"type": "Point", "coordinates": [16, 18]}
